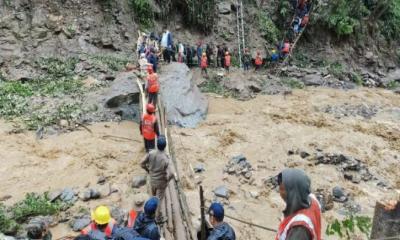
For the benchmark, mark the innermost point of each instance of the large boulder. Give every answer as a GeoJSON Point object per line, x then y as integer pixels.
{"type": "Point", "coordinates": [391, 77]}
{"type": "Point", "coordinates": [123, 95]}
{"type": "Point", "coordinates": [186, 106]}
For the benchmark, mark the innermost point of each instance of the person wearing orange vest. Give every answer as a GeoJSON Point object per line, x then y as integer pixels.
{"type": "Point", "coordinates": [227, 61]}
{"type": "Point", "coordinates": [285, 48]}
{"type": "Point", "coordinates": [258, 61]}
{"type": "Point", "coordinates": [204, 64]}
{"type": "Point", "coordinates": [152, 85]}
{"type": "Point", "coordinates": [102, 225]}
{"type": "Point", "coordinates": [302, 215]}
{"type": "Point", "coordinates": [134, 212]}
{"type": "Point", "coordinates": [149, 127]}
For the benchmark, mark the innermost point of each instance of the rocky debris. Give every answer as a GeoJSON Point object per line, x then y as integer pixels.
{"type": "Point", "coordinates": [350, 207]}
{"type": "Point", "coordinates": [239, 166]}
{"type": "Point", "coordinates": [242, 86]}
{"type": "Point", "coordinates": [313, 80]}
{"type": "Point", "coordinates": [339, 195]}
{"type": "Point", "coordinates": [347, 110]}
{"type": "Point", "coordinates": [5, 198]}
{"type": "Point", "coordinates": [68, 195]}
{"type": "Point", "coordinates": [222, 191]}
{"type": "Point", "coordinates": [271, 182]}
{"type": "Point", "coordinates": [54, 195]}
{"type": "Point", "coordinates": [119, 214]}
{"type": "Point", "coordinates": [353, 169]}
{"type": "Point", "coordinates": [224, 8]}
{"type": "Point", "coordinates": [89, 194]}
{"type": "Point", "coordinates": [123, 96]}
{"type": "Point", "coordinates": [139, 181]}
{"type": "Point", "coordinates": [4, 237]}
{"type": "Point", "coordinates": [254, 194]}
{"type": "Point", "coordinates": [79, 223]}
{"type": "Point", "coordinates": [325, 199]}
{"type": "Point", "coordinates": [101, 180]}
{"type": "Point", "coordinates": [393, 76]}
{"type": "Point", "coordinates": [185, 105]}
{"type": "Point", "coordinates": [39, 224]}
{"type": "Point", "coordinates": [199, 168]}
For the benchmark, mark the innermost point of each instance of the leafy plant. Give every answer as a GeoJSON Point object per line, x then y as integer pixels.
{"type": "Point", "coordinates": [393, 85]}
{"type": "Point", "coordinates": [390, 24]}
{"type": "Point", "coordinates": [143, 12]}
{"type": "Point", "coordinates": [348, 228]}
{"type": "Point", "coordinates": [267, 27]}
{"type": "Point", "coordinates": [115, 63]}
{"type": "Point", "coordinates": [34, 205]}
{"type": "Point", "coordinates": [357, 78]}
{"type": "Point", "coordinates": [7, 224]}
{"type": "Point", "coordinates": [336, 69]}
{"type": "Point", "coordinates": [293, 83]}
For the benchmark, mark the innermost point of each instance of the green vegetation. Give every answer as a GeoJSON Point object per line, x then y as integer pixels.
{"type": "Point", "coordinates": [336, 69]}
{"type": "Point", "coordinates": [293, 83]}
{"type": "Point", "coordinates": [114, 63]}
{"type": "Point", "coordinates": [267, 27]}
{"type": "Point", "coordinates": [7, 224]}
{"type": "Point", "coordinates": [393, 85]}
{"type": "Point", "coordinates": [34, 205]}
{"type": "Point", "coordinates": [350, 227]}
{"type": "Point", "coordinates": [143, 12]}
{"type": "Point", "coordinates": [357, 78]}
{"type": "Point", "coordinates": [212, 85]}
{"type": "Point", "coordinates": [200, 14]}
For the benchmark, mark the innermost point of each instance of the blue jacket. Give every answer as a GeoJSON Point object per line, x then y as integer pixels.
{"type": "Point", "coordinates": [222, 232]}
{"type": "Point", "coordinates": [199, 51]}
{"type": "Point", "coordinates": [152, 58]}
{"type": "Point", "coordinates": [127, 234]}
{"type": "Point", "coordinates": [146, 227]}
{"type": "Point", "coordinates": [170, 41]}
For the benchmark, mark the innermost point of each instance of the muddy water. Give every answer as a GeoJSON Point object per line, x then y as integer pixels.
{"type": "Point", "coordinates": [265, 128]}
{"type": "Point", "coordinates": [75, 160]}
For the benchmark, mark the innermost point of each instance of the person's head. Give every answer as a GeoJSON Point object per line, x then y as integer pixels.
{"type": "Point", "coordinates": [150, 207]}
{"type": "Point", "coordinates": [150, 68]}
{"type": "Point", "coordinates": [36, 230]}
{"type": "Point", "coordinates": [258, 53]}
{"type": "Point", "coordinates": [286, 40]}
{"type": "Point", "coordinates": [150, 109]}
{"type": "Point", "coordinates": [216, 213]}
{"type": "Point", "coordinates": [246, 50]}
{"type": "Point", "coordinates": [226, 53]}
{"type": "Point", "coordinates": [273, 51]}
{"type": "Point", "coordinates": [203, 54]}
{"type": "Point", "coordinates": [101, 217]}
{"type": "Point", "coordinates": [294, 188]}
{"type": "Point", "coordinates": [161, 142]}
{"type": "Point", "coordinates": [142, 55]}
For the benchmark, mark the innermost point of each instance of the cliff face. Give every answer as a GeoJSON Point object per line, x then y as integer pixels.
{"type": "Point", "coordinates": [31, 29]}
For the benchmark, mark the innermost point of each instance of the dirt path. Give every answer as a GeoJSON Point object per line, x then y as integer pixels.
{"type": "Point", "coordinates": [265, 128]}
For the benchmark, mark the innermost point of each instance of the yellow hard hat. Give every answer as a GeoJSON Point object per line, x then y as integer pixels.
{"type": "Point", "coordinates": [273, 51]}
{"type": "Point", "coordinates": [101, 215]}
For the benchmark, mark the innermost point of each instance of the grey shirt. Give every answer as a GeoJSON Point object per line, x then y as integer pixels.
{"type": "Point", "coordinates": [157, 163]}
{"type": "Point", "coordinates": [298, 233]}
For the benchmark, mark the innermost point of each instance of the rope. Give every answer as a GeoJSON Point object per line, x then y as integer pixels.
{"type": "Point", "coordinates": [251, 224]}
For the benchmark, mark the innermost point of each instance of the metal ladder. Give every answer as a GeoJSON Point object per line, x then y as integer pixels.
{"type": "Point", "coordinates": [240, 30]}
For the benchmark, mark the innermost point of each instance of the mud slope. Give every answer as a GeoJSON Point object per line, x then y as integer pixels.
{"type": "Point", "coordinates": [266, 128]}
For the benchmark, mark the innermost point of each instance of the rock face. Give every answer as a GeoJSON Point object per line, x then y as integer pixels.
{"type": "Point", "coordinates": [123, 96]}
{"type": "Point", "coordinates": [186, 106]}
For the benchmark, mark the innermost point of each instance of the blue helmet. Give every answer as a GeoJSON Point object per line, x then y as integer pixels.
{"type": "Point", "coordinates": [217, 210]}
{"type": "Point", "coordinates": [150, 206]}
{"type": "Point", "coordinates": [161, 142]}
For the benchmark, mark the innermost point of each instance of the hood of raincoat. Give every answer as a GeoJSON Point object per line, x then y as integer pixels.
{"type": "Point", "coordinates": [298, 188]}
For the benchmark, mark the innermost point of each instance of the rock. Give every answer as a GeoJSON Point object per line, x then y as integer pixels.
{"type": "Point", "coordinates": [5, 198]}
{"type": "Point", "coordinates": [254, 194]}
{"type": "Point", "coordinates": [390, 77]}
{"type": "Point", "coordinates": [119, 215]}
{"type": "Point", "coordinates": [68, 195]}
{"type": "Point", "coordinates": [123, 96]}
{"type": "Point", "coordinates": [224, 8]}
{"type": "Point", "coordinates": [313, 80]}
{"type": "Point", "coordinates": [64, 123]}
{"type": "Point", "coordinates": [325, 199]}
{"type": "Point", "coordinates": [186, 106]}
{"type": "Point", "coordinates": [199, 168]}
{"type": "Point", "coordinates": [86, 195]}
{"type": "Point", "coordinates": [39, 224]}
{"type": "Point", "coordinates": [54, 195]}
{"type": "Point", "coordinates": [90, 82]}
{"type": "Point", "coordinates": [356, 179]}
{"type": "Point", "coordinates": [338, 192]}
{"type": "Point", "coordinates": [80, 223]}
{"type": "Point", "coordinates": [101, 180]}
{"type": "Point", "coordinates": [352, 207]}
{"type": "Point", "coordinates": [94, 194]}
{"type": "Point", "coordinates": [304, 154]}
{"type": "Point", "coordinates": [139, 181]}
{"type": "Point", "coordinates": [222, 192]}
{"type": "Point", "coordinates": [397, 90]}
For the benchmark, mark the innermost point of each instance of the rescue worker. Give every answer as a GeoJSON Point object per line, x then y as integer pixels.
{"type": "Point", "coordinates": [258, 61]}
{"type": "Point", "coordinates": [221, 230]}
{"type": "Point", "coordinates": [152, 85]}
{"type": "Point", "coordinates": [285, 48]}
{"type": "Point", "coordinates": [220, 56]}
{"type": "Point", "coordinates": [227, 62]}
{"type": "Point", "coordinates": [157, 164]}
{"type": "Point", "coordinates": [143, 64]}
{"type": "Point", "coordinates": [134, 212]}
{"type": "Point", "coordinates": [181, 52]}
{"type": "Point", "coordinates": [145, 223]}
{"type": "Point", "coordinates": [189, 56]}
{"type": "Point", "coordinates": [149, 127]}
{"type": "Point", "coordinates": [246, 59]}
{"type": "Point", "coordinates": [102, 225]}
{"type": "Point", "coordinates": [302, 215]}
{"type": "Point", "coordinates": [209, 53]}
{"type": "Point", "coordinates": [274, 56]}
{"type": "Point", "coordinates": [204, 64]}
{"type": "Point", "coordinates": [128, 234]}
{"type": "Point", "coordinates": [199, 53]}
{"type": "Point", "coordinates": [153, 59]}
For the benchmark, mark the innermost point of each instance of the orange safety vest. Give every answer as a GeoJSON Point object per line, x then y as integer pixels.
{"type": "Point", "coordinates": [227, 60]}
{"type": "Point", "coordinates": [286, 47]}
{"type": "Point", "coordinates": [94, 231]}
{"type": "Point", "coordinates": [152, 81]}
{"type": "Point", "coordinates": [305, 20]}
{"type": "Point", "coordinates": [309, 218]}
{"type": "Point", "coordinates": [148, 121]}
{"type": "Point", "coordinates": [258, 60]}
{"type": "Point", "coordinates": [132, 218]}
{"type": "Point", "coordinates": [203, 63]}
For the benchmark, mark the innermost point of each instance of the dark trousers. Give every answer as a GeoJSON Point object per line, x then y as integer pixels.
{"type": "Point", "coordinates": [167, 56]}
{"type": "Point", "coordinates": [258, 67]}
{"type": "Point", "coordinates": [222, 61]}
{"type": "Point", "coordinates": [152, 98]}
{"type": "Point", "coordinates": [149, 144]}
{"type": "Point", "coordinates": [246, 66]}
